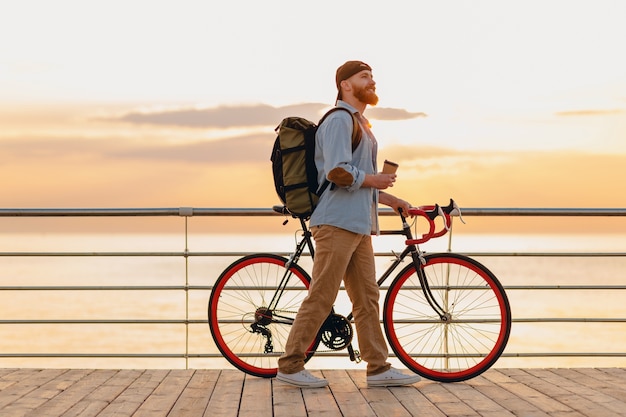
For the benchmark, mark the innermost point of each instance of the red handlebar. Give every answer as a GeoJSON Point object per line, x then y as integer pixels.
{"type": "Point", "coordinates": [420, 211]}
{"type": "Point", "coordinates": [447, 221]}
{"type": "Point", "coordinates": [430, 213]}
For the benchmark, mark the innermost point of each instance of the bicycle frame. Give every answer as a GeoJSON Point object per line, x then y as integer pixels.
{"type": "Point", "coordinates": [305, 242]}
{"type": "Point", "coordinates": [411, 248]}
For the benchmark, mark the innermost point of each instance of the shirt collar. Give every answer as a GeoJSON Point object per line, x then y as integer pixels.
{"type": "Point", "coordinates": [341, 103]}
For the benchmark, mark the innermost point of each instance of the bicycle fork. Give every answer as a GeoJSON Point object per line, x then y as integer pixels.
{"type": "Point", "coordinates": [419, 261]}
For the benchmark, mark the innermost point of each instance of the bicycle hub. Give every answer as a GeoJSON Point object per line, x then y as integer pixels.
{"type": "Point", "coordinates": [263, 316]}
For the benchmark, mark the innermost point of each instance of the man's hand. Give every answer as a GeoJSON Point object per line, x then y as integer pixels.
{"type": "Point", "coordinates": [379, 181]}
{"type": "Point", "coordinates": [395, 203]}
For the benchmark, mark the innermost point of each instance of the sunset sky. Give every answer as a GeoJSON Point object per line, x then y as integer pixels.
{"type": "Point", "coordinates": [140, 103]}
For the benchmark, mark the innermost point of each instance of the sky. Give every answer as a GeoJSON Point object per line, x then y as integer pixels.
{"type": "Point", "coordinates": [140, 103]}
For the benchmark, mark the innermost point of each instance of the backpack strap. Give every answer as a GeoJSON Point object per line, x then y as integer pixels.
{"type": "Point", "coordinates": [357, 135]}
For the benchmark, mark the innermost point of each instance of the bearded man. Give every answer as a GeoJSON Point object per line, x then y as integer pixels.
{"type": "Point", "coordinates": [342, 224]}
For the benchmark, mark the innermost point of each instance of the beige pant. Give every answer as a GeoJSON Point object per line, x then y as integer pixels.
{"type": "Point", "coordinates": [339, 255]}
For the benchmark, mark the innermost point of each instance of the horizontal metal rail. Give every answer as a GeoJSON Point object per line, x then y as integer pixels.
{"type": "Point", "coordinates": [238, 212]}
{"type": "Point", "coordinates": [238, 254]}
{"type": "Point", "coordinates": [187, 212]}
{"type": "Point", "coordinates": [210, 287]}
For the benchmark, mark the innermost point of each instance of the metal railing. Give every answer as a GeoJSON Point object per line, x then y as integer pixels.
{"type": "Point", "coordinates": [190, 319]}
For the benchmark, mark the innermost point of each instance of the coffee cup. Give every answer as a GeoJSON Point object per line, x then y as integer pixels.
{"type": "Point", "coordinates": [389, 167]}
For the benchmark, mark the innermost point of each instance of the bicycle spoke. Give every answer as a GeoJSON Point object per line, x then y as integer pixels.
{"type": "Point", "coordinates": [250, 335]}
{"type": "Point", "coordinates": [472, 334]}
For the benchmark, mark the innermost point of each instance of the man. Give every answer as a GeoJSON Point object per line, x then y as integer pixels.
{"type": "Point", "coordinates": [342, 225]}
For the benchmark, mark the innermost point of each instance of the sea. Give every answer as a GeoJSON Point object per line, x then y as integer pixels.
{"type": "Point", "coordinates": [601, 338]}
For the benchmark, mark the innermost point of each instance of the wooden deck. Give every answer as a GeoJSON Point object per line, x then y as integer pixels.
{"type": "Point", "coordinates": [217, 393]}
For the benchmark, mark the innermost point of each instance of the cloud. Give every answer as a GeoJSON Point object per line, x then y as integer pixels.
{"type": "Point", "coordinates": [400, 153]}
{"type": "Point", "coordinates": [608, 112]}
{"type": "Point", "coordinates": [23, 148]}
{"type": "Point", "coordinates": [240, 149]}
{"type": "Point", "coordinates": [223, 117]}
{"type": "Point", "coordinates": [386, 113]}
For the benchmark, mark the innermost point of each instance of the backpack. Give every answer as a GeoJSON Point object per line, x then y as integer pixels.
{"type": "Point", "coordinates": [293, 163]}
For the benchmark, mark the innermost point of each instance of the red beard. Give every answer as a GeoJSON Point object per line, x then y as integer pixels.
{"type": "Point", "coordinates": [366, 96]}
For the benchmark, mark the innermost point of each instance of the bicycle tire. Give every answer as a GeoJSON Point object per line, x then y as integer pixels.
{"type": "Point", "coordinates": [246, 285]}
{"type": "Point", "coordinates": [477, 327]}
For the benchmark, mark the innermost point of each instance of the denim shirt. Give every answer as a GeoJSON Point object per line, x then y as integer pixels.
{"type": "Point", "coordinates": [353, 208]}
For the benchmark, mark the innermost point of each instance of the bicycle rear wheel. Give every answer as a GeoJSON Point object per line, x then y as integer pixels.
{"type": "Point", "coordinates": [476, 327]}
{"type": "Point", "coordinates": [249, 333]}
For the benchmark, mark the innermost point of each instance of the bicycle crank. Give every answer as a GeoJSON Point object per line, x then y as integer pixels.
{"type": "Point", "coordinates": [336, 332]}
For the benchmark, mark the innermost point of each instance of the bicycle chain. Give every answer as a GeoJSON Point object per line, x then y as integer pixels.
{"type": "Point", "coordinates": [356, 352]}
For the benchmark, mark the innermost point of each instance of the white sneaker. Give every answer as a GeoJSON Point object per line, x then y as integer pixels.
{"type": "Point", "coordinates": [302, 379]}
{"type": "Point", "coordinates": [392, 378]}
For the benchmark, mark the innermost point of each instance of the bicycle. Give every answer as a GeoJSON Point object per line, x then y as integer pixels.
{"type": "Point", "coordinates": [445, 315]}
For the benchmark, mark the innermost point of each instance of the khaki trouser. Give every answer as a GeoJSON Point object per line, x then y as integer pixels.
{"type": "Point", "coordinates": [339, 255]}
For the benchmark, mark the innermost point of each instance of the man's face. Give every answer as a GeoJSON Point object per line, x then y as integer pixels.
{"type": "Point", "coordinates": [364, 87]}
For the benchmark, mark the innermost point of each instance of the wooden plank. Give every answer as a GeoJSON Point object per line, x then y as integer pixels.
{"type": "Point", "coordinates": [578, 397]}
{"type": "Point", "coordinates": [6, 371]}
{"type": "Point", "coordinates": [415, 402]}
{"type": "Point", "coordinates": [134, 395]}
{"type": "Point", "coordinates": [450, 405]}
{"type": "Point", "coordinates": [383, 402]}
{"type": "Point", "coordinates": [320, 401]}
{"type": "Point", "coordinates": [380, 400]}
{"type": "Point", "coordinates": [477, 401]}
{"type": "Point", "coordinates": [165, 395]}
{"type": "Point", "coordinates": [256, 397]}
{"type": "Point", "coordinates": [45, 393]}
{"type": "Point", "coordinates": [81, 403]}
{"type": "Point", "coordinates": [537, 392]}
{"type": "Point", "coordinates": [194, 400]}
{"type": "Point", "coordinates": [6, 380]}
{"type": "Point", "coordinates": [513, 403]}
{"type": "Point", "coordinates": [29, 380]}
{"type": "Point", "coordinates": [288, 400]}
{"type": "Point", "coordinates": [619, 373]}
{"type": "Point", "coordinates": [345, 387]}
{"type": "Point", "coordinates": [70, 395]}
{"type": "Point", "coordinates": [600, 380]}
{"type": "Point", "coordinates": [224, 401]}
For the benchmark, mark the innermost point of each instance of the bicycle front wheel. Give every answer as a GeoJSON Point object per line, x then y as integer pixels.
{"type": "Point", "coordinates": [474, 329]}
{"type": "Point", "coordinates": [248, 331]}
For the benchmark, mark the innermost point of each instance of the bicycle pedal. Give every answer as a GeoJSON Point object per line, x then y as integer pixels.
{"type": "Point", "coordinates": [355, 355]}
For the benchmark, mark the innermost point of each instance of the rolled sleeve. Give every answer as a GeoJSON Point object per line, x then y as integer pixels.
{"type": "Point", "coordinates": [359, 178]}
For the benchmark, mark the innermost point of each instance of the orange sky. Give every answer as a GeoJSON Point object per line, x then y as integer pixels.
{"type": "Point", "coordinates": [120, 167]}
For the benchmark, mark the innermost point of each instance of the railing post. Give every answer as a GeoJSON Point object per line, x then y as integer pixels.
{"type": "Point", "coordinates": [186, 212]}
